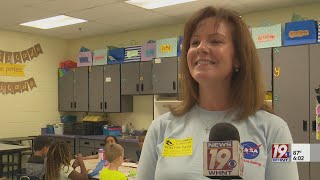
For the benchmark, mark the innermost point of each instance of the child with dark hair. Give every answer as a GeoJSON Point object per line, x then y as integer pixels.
{"type": "Point", "coordinates": [36, 164]}
{"type": "Point", "coordinates": [58, 164]}
{"type": "Point", "coordinates": [108, 140]}
{"type": "Point", "coordinates": [114, 155]}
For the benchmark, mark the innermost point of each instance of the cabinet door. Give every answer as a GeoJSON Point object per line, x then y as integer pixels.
{"type": "Point", "coordinates": [112, 88]}
{"type": "Point", "coordinates": [96, 89]}
{"type": "Point", "coordinates": [165, 75]}
{"type": "Point", "coordinates": [146, 77]}
{"type": "Point", "coordinates": [314, 83]}
{"type": "Point", "coordinates": [86, 151]}
{"type": "Point", "coordinates": [81, 90]}
{"type": "Point", "coordinates": [265, 57]}
{"type": "Point", "coordinates": [65, 91]}
{"type": "Point", "coordinates": [130, 83]}
{"type": "Point", "coordinates": [291, 93]}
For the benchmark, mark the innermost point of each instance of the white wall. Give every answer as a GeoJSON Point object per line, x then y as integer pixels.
{"type": "Point", "coordinates": [24, 114]}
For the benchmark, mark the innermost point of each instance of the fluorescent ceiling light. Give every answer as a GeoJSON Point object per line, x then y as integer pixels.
{"type": "Point", "coordinates": [152, 4]}
{"type": "Point", "coordinates": [53, 22]}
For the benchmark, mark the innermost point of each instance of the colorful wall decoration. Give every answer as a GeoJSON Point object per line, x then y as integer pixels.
{"type": "Point", "coordinates": [11, 64]}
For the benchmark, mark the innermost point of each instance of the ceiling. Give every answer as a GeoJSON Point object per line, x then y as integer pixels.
{"type": "Point", "coordinates": [114, 16]}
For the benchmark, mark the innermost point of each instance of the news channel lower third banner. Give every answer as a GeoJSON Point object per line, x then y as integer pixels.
{"type": "Point", "coordinates": [296, 153]}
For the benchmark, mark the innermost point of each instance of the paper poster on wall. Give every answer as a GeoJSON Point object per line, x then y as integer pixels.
{"type": "Point", "coordinates": [17, 87]}
{"type": "Point", "coordinates": [21, 56]}
{"type": "Point", "coordinates": [11, 64]}
{"type": "Point", "coordinates": [16, 70]}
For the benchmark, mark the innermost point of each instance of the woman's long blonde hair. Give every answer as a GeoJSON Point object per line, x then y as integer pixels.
{"type": "Point", "coordinates": [58, 156]}
{"type": "Point", "coordinates": [247, 87]}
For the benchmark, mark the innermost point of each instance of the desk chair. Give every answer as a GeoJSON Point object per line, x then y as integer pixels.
{"type": "Point", "coordinates": [26, 177]}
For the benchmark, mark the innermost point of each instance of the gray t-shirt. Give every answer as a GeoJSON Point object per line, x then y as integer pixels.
{"type": "Point", "coordinates": [257, 134]}
{"type": "Point", "coordinates": [36, 166]}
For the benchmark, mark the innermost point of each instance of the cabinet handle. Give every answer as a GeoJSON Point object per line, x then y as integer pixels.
{"type": "Point", "coordinates": [305, 125]}
{"type": "Point", "coordinates": [102, 144]}
{"type": "Point", "coordinates": [100, 105]}
{"type": "Point", "coordinates": [71, 105]}
{"type": "Point", "coordinates": [137, 87]}
{"type": "Point", "coordinates": [86, 143]}
{"type": "Point", "coordinates": [105, 105]}
{"type": "Point", "coordinates": [314, 124]}
{"type": "Point", "coordinates": [141, 87]}
{"type": "Point", "coordinates": [75, 105]}
{"type": "Point", "coordinates": [174, 85]}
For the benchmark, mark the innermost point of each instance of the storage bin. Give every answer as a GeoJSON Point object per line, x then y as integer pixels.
{"type": "Point", "coordinates": [132, 54]}
{"type": "Point", "coordinates": [116, 56]}
{"type": "Point", "coordinates": [167, 47]}
{"type": "Point", "coordinates": [50, 129]}
{"type": "Point", "coordinates": [100, 57]}
{"type": "Point", "coordinates": [111, 130]}
{"type": "Point", "coordinates": [269, 36]}
{"type": "Point", "coordinates": [300, 32]}
{"type": "Point", "coordinates": [68, 119]}
{"type": "Point", "coordinates": [84, 59]}
{"type": "Point", "coordinates": [58, 129]}
{"type": "Point", "coordinates": [148, 51]}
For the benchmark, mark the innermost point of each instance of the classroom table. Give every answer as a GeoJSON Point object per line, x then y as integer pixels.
{"type": "Point", "coordinates": [6, 149]}
{"type": "Point", "coordinates": [92, 163]}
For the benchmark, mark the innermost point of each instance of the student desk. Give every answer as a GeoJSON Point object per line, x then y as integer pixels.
{"type": "Point", "coordinates": [6, 149]}
{"type": "Point", "coordinates": [92, 163]}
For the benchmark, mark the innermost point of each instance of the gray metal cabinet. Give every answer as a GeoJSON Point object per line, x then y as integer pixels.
{"type": "Point", "coordinates": [265, 57]}
{"type": "Point", "coordinates": [65, 92]}
{"type": "Point", "coordinates": [96, 89]}
{"type": "Point", "coordinates": [291, 93]}
{"type": "Point", "coordinates": [81, 84]}
{"type": "Point", "coordinates": [136, 78]}
{"type": "Point", "coordinates": [146, 86]}
{"type": "Point", "coordinates": [73, 90]}
{"type": "Point", "coordinates": [86, 147]}
{"type": "Point", "coordinates": [104, 90]}
{"type": "Point", "coordinates": [314, 82]}
{"type": "Point", "coordinates": [113, 100]}
{"type": "Point", "coordinates": [165, 75]}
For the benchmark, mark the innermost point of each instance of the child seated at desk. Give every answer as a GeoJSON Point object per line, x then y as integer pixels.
{"type": "Point", "coordinates": [58, 164]}
{"type": "Point", "coordinates": [140, 143]}
{"type": "Point", "coordinates": [36, 164]}
{"type": "Point", "coordinates": [114, 155]}
{"type": "Point", "coordinates": [108, 140]}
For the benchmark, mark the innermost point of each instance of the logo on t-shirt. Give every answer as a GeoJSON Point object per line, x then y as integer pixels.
{"type": "Point", "coordinates": [250, 150]}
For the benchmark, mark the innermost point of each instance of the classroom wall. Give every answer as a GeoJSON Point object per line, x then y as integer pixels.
{"type": "Point", "coordinates": [143, 111]}
{"type": "Point", "coordinates": [24, 114]}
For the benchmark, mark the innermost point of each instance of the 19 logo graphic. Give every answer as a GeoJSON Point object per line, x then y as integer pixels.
{"type": "Point", "coordinates": [280, 153]}
{"type": "Point", "coordinates": [221, 159]}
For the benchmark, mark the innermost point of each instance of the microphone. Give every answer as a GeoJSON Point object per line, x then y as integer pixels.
{"type": "Point", "coordinates": [223, 155]}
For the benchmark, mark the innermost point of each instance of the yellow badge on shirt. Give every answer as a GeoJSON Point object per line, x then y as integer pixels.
{"type": "Point", "coordinates": [177, 147]}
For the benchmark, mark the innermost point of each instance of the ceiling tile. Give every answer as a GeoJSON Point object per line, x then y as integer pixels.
{"type": "Point", "coordinates": [68, 6]}
{"type": "Point", "coordinates": [111, 10]}
{"type": "Point", "coordinates": [190, 8]}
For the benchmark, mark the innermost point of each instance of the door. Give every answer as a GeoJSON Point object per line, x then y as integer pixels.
{"type": "Point", "coordinates": [130, 83]}
{"type": "Point", "coordinates": [291, 93]}
{"type": "Point", "coordinates": [81, 90]}
{"type": "Point", "coordinates": [96, 89]}
{"type": "Point", "coordinates": [314, 82]}
{"type": "Point", "coordinates": [65, 91]}
{"type": "Point", "coordinates": [112, 88]}
{"type": "Point", "coordinates": [165, 75]}
{"type": "Point", "coordinates": [265, 57]}
{"type": "Point", "coordinates": [146, 77]}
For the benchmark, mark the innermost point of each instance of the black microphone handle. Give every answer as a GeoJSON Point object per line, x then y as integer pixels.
{"type": "Point", "coordinates": [225, 178]}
